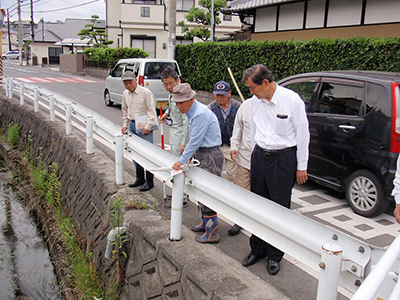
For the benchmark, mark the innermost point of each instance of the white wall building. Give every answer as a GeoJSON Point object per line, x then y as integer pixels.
{"type": "Point", "coordinates": [144, 24]}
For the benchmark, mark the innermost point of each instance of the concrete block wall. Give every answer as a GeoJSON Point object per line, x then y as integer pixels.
{"type": "Point", "coordinates": [156, 268]}
{"type": "Point", "coordinates": [71, 63]}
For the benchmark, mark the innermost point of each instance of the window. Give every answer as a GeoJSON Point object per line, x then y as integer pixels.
{"type": "Point", "coordinates": [340, 99]}
{"type": "Point", "coordinates": [144, 1]}
{"type": "Point", "coordinates": [181, 41]}
{"type": "Point", "coordinates": [117, 72]}
{"type": "Point", "coordinates": [184, 5]}
{"type": "Point", "coordinates": [374, 94]}
{"type": "Point", "coordinates": [304, 89]}
{"type": "Point", "coordinates": [145, 12]}
{"type": "Point", "coordinates": [145, 43]}
{"type": "Point", "coordinates": [153, 70]}
{"type": "Point", "coordinates": [227, 17]}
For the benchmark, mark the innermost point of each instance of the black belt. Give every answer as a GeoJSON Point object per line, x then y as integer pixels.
{"type": "Point", "coordinates": [204, 149]}
{"type": "Point", "coordinates": [275, 151]}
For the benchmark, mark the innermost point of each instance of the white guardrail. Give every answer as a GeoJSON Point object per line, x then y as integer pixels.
{"type": "Point", "coordinates": [367, 271]}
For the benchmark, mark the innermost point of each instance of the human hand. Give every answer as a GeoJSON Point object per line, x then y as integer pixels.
{"type": "Point", "coordinates": [301, 176]}
{"type": "Point", "coordinates": [124, 130]}
{"type": "Point", "coordinates": [182, 148]}
{"type": "Point", "coordinates": [177, 165]}
{"type": "Point", "coordinates": [234, 155]}
{"type": "Point", "coordinates": [145, 131]}
{"type": "Point", "coordinates": [163, 117]}
{"type": "Point", "coordinates": [396, 213]}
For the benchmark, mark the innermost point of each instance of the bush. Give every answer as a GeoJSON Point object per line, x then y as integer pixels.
{"type": "Point", "coordinates": [110, 56]}
{"type": "Point", "coordinates": [13, 136]}
{"type": "Point", "coordinates": [284, 58]}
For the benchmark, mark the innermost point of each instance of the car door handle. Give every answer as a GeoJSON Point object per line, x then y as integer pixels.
{"type": "Point", "coordinates": [347, 127]}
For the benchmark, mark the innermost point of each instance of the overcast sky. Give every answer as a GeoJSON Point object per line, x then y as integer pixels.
{"type": "Point", "coordinates": [53, 10]}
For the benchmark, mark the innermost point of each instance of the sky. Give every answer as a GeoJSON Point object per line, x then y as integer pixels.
{"type": "Point", "coordinates": [54, 10]}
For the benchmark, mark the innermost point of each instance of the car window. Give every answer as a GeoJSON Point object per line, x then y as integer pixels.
{"type": "Point", "coordinates": [304, 89]}
{"type": "Point", "coordinates": [339, 99]}
{"type": "Point", "coordinates": [117, 72]}
{"type": "Point", "coordinates": [153, 70]}
{"type": "Point", "coordinates": [374, 94]}
{"type": "Point", "coordinates": [130, 67]}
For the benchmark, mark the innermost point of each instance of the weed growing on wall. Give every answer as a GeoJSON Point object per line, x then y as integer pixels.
{"type": "Point", "coordinates": [13, 136]}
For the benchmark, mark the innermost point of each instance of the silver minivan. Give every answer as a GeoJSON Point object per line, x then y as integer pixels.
{"type": "Point", "coordinates": [148, 72]}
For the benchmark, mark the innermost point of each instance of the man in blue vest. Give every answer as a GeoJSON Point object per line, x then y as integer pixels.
{"type": "Point", "coordinates": [225, 109]}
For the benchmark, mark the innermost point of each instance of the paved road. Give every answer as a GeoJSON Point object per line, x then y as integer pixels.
{"type": "Point", "coordinates": [311, 200]}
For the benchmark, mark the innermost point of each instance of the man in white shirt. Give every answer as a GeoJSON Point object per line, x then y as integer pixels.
{"type": "Point", "coordinates": [280, 135]}
{"type": "Point", "coordinates": [241, 150]}
{"type": "Point", "coordinates": [138, 102]}
{"type": "Point", "coordinates": [396, 191]}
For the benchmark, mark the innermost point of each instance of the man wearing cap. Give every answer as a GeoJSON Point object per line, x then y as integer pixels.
{"type": "Point", "coordinates": [138, 101]}
{"type": "Point", "coordinates": [204, 143]}
{"type": "Point", "coordinates": [225, 109]}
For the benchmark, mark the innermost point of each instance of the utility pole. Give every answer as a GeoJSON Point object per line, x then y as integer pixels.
{"type": "Point", "coordinates": [212, 21]}
{"type": "Point", "coordinates": [172, 29]}
{"type": "Point", "coordinates": [19, 33]}
{"type": "Point", "coordinates": [32, 22]}
{"type": "Point", "coordinates": [9, 30]}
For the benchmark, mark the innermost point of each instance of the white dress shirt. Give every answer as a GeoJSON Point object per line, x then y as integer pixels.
{"type": "Point", "coordinates": [270, 132]}
{"type": "Point", "coordinates": [396, 183]}
{"type": "Point", "coordinates": [241, 138]}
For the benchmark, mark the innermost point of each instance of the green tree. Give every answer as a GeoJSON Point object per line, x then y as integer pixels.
{"type": "Point", "coordinates": [202, 16]}
{"type": "Point", "coordinates": [95, 34]}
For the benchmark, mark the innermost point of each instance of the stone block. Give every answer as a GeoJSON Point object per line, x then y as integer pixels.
{"type": "Point", "coordinates": [151, 280]}
{"type": "Point", "coordinates": [170, 269]}
{"type": "Point", "coordinates": [173, 292]}
{"type": "Point", "coordinates": [134, 289]}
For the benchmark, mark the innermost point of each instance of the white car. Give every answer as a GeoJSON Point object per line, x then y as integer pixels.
{"type": "Point", "coordinates": [148, 72]}
{"type": "Point", "coordinates": [11, 55]}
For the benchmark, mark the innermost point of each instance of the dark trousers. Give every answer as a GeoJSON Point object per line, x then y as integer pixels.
{"type": "Point", "coordinates": [272, 176]}
{"type": "Point", "coordinates": [211, 161]}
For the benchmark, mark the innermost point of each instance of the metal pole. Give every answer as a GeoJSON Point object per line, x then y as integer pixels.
{"type": "Point", "coordinates": [35, 99]}
{"type": "Point", "coordinates": [119, 159]}
{"type": "Point", "coordinates": [330, 272]}
{"type": "Point", "coordinates": [177, 207]}
{"type": "Point", "coordinates": [68, 113]}
{"type": "Point", "coordinates": [21, 94]}
{"type": "Point", "coordinates": [19, 33]}
{"type": "Point", "coordinates": [10, 88]}
{"type": "Point", "coordinates": [172, 29]}
{"type": "Point", "coordinates": [51, 105]}
{"type": "Point", "coordinates": [6, 86]}
{"type": "Point", "coordinates": [89, 134]}
{"type": "Point", "coordinates": [212, 21]}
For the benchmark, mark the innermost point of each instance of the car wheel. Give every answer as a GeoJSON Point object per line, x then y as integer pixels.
{"type": "Point", "coordinates": [107, 99]}
{"type": "Point", "coordinates": [365, 194]}
{"type": "Point", "coordinates": [4, 57]}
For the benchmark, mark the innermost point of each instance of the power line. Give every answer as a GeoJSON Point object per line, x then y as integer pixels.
{"type": "Point", "coordinates": [64, 8]}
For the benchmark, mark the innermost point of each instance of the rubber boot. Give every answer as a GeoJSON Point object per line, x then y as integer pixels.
{"type": "Point", "coordinates": [139, 177]}
{"type": "Point", "coordinates": [210, 236]}
{"type": "Point", "coordinates": [199, 228]}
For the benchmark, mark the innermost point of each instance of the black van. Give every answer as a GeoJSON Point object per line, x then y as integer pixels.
{"type": "Point", "coordinates": [354, 119]}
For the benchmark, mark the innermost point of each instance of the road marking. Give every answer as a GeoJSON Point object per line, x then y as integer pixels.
{"type": "Point", "coordinates": [56, 80]}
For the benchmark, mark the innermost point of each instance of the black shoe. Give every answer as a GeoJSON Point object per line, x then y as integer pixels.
{"type": "Point", "coordinates": [273, 267]}
{"type": "Point", "coordinates": [138, 182]}
{"type": "Point", "coordinates": [146, 186]}
{"type": "Point", "coordinates": [250, 259]}
{"type": "Point", "coordinates": [234, 230]}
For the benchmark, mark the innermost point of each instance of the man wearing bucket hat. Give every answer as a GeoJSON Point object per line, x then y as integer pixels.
{"type": "Point", "coordinates": [204, 143]}
{"type": "Point", "coordinates": [225, 109]}
{"type": "Point", "coordinates": [138, 102]}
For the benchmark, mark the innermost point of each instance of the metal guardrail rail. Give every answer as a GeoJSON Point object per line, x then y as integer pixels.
{"type": "Point", "coordinates": [369, 272]}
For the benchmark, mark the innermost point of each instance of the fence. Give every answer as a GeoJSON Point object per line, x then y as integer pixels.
{"type": "Point", "coordinates": [369, 272]}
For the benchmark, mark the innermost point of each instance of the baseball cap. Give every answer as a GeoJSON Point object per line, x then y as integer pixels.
{"type": "Point", "coordinates": [128, 75]}
{"type": "Point", "coordinates": [222, 88]}
{"type": "Point", "coordinates": [182, 92]}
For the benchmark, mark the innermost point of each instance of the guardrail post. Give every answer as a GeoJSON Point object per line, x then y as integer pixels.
{"type": "Point", "coordinates": [51, 105]}
{"type": "Point", "coordinates": [35, 99]}
{"type": "Point", "coordinates": [330, 271]}
{"type": "Point", "coordinates": [177, 207]}
{"type": "Point", "coordinates": [21, 94]}
{"type": "Point", "coordinates": [6, 86]}
{"type": "Point", "coordinates": [89, 134]}
{"type": "Point", "coordinates": [68, 113]}
{"type": "Point", "coordinates": [10, 88]}
{"type": "Point", "coordinates": [119, 159]}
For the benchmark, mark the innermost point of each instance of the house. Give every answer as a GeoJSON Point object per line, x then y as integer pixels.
{"type": "Point", "coordinates": [52, 39]}
{"type": "Point", "coordinates": [144, 24]}
{"type": "Point", "coordinates": [307, 19]}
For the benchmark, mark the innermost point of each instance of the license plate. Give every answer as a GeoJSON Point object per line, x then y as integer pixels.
{"type": "Point", "coordinates": [162, 104]}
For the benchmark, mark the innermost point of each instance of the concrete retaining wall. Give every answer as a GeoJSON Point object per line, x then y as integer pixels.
{"type": "Point", "coordinates": [156, 268]}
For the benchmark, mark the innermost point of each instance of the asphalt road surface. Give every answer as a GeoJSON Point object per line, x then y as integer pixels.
{"type": "Point", "coordinates": [330, 208]}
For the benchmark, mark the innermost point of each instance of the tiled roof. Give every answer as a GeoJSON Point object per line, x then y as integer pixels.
{"type": "Point", "coordinates": [241, 5]}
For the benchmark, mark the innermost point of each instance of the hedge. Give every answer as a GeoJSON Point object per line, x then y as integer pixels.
{"type": "Point", "coordinates": [203, 64]}
{"type": "Point", "coordinates": [110, 56]}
